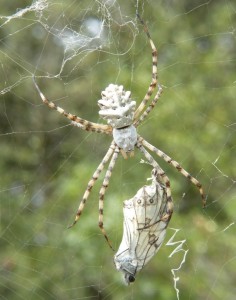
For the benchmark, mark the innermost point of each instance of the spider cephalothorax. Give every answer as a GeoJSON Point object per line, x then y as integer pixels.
{"type": "Point", "coordinates": [118, 109]}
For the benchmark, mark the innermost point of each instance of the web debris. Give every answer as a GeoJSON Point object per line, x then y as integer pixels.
{"type": "Point", "coordinates": [38, 5]}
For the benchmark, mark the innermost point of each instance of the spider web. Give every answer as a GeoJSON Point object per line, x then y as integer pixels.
{"type": "Point", "coordinates": [75, 49]}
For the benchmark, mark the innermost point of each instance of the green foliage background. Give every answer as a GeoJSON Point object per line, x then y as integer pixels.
{"type": "Point", "coordinates": [45, 163]}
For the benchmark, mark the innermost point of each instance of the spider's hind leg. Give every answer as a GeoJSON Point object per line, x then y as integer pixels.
{"type": "Point", "coordinates": [76, 121]}
{"type": "Point", "coordinates": [153, 83]}
{"type": "Point", "coordinates": [150, 107]}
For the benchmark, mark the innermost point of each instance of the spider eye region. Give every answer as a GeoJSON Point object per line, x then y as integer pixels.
{"type": "Point", "coordinates": [125, 138]}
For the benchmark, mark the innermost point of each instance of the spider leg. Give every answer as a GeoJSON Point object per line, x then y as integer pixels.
{"type": "Point", "coordinates": [175, 164]}
{"type": "Point", "coordinates": [92, 182]}
{"type": "Point", "coordinates": [160, 174]}
{"type": "Point", "coordinates": [154, 73]}
{"type": "Point", "coordinates": [170, 205]}
{"type": "Point", "coordinates": [150, 107]}
{"type": "Point", "coordinates": [76, 121]}
{"type": "Point", "coordinates": [103, 190]}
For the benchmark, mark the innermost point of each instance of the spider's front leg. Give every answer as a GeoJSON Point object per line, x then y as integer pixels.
{"type": "Point", "coordinates": [103, 190]}
{"type": "Point", "coordinates": [175, 164]}
{"type": "Point", "coordinates": [92, 182]}
{"type": "Point", "coordinates": [161, 176]}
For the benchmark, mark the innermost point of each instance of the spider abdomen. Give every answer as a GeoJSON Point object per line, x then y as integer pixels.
{"type": "Point", "coordinates": [125, 138]}
{"type": "Point", "coordinates": [116, 106]}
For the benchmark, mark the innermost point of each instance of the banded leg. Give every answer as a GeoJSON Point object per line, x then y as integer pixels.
{"type": "Point", "coordinates": [76, 121]}
{"type": "Point", "coordinates": [154, 73]}
{"type": "Point", "coordinates": [103, 191]}
{"type": "Point", "coordinates": [92, 182]}
{"type": "Point", "coordinates": [150, 107]}
{"type": "Point", "coordinates": [160, 174]}
{"type": "Point", "coordinates": [175, 164]}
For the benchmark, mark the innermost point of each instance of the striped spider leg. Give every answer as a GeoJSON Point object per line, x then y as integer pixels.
{"type": "Point", "coordinates": [174, 163]}
{"type": "Point", "coordinates": [141, 114]}
{"type": "Point", "coordinates": [153, 83]}
{"type": "Point", "coordinates": [76, 121]}
{"type": "Point", "coordinates": [112, 154]}
{"type": "Point", "coordinates": [146, 217]}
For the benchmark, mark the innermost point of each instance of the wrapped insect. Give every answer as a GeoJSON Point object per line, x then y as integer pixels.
{"type": "Point", "coordinates": [146, 217]}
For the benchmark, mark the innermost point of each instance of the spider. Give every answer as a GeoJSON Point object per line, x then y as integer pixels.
{"type": "Point", "coordinates": [118, 109]}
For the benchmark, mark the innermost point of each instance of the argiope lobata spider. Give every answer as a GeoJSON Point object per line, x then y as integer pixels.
{"type": "Point", "coordinates": [118, 109]}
